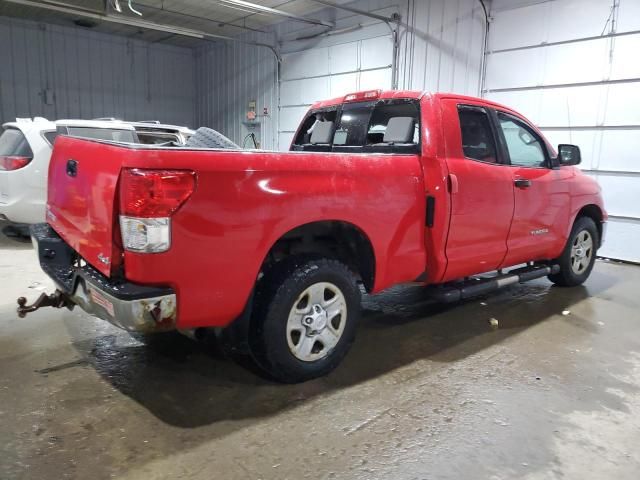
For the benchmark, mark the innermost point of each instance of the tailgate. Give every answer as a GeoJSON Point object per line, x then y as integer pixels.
{"type": "Point", "coordinates": [83, 177]}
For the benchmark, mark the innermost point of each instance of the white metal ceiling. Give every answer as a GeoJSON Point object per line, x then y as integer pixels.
{"type": "Point", "coordinates": [211, 16]}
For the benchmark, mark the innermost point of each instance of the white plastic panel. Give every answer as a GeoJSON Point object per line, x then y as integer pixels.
{"type": "Point", "coordinates": [376, 52]}
{"type": "Point", "coordinates": [309, 63]}
{"type": "Point", "coordinates": [575, 62]}
{"type": "Point", "coordinates": [621, 241]}
{"type": "Point", "coordinates": [343, 57]}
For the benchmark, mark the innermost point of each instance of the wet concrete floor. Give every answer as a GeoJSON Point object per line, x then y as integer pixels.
{"type": "Point", "coordinates": [427, 392]}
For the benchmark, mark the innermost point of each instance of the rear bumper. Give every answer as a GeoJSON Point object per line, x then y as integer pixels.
{"type": "Point", "coordinates": [127, 305]}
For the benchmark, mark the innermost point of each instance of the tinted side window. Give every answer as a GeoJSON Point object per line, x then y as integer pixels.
{"type": "Point", "coordinates": [525, 148]}
{"type": "Point", "coordinates": [380, 121]}
{"type": "Point", "coordinates": [13, 142]}
{"type": "Point", "coordinates": [50, 136]}
{"type": "Point", "coordinates": [478, 142]}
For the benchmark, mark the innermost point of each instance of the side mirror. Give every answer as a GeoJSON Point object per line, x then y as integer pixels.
{"type": "Point", "coordinates": [568, 154]}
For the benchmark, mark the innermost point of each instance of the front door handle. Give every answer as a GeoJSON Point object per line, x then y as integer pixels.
{"type": "Point", "coordinates": [522, 183]}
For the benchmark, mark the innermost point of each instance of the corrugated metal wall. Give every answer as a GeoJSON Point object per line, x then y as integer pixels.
{"type": "Point", "coordinates": [90, 75]}
{"type": "Point", "coordinates": [441, 50]}
{"type": "Point", "coordinates": [228, 76]}
{"type": "Point", "coordinates": [572, 67]}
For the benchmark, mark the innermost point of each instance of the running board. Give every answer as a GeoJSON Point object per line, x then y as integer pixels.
{"type": "Point", "coordinates": [479, 286]}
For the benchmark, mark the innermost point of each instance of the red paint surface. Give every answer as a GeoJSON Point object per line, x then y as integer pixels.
{"type": "Point", "coordinates": [245, 201]}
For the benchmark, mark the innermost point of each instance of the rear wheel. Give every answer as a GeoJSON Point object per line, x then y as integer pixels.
{"type": "Point", "coordinates": [579, 255]}
{"type": "Point", "coordinates": [305, 317]}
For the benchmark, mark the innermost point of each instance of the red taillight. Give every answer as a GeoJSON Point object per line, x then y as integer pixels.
{"type": "Point", "coordinates": [154, 193]}
{"type": "Point", "coordinates": [13, 162]}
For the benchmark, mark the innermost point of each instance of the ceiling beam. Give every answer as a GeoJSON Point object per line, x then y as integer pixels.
{"type": "Point", "coordinates": [255, 8]}
{"type": "Point", "coordinates": [329, 3]}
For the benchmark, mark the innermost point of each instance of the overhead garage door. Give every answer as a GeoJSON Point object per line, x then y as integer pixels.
{"type": "Point", "coordinates": [570, 70]}
{"type": "Point", "coordinates": [327, 72]}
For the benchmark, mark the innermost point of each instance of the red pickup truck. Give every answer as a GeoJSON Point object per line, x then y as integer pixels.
{"type": "Point", "coordinates": [273, 249]}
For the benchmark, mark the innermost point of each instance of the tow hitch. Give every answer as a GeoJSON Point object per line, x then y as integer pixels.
{"type": "Point", "coordinates": [56, 299]}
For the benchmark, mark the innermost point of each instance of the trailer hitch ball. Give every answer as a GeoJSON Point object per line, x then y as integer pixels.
{"type": "Point", "coordinates": [56, 300]}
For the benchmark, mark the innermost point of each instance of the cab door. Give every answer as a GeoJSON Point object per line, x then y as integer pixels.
{"type": "Point", "coordinates": [541, 193]}
{"type": "Point", "coordinates": [480, 188]}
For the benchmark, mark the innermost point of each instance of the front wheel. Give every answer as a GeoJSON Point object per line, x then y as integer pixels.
{"type": "Point", "coordinates": [579, 255]}
{"type": "Point", "coordinates": [305, 318]}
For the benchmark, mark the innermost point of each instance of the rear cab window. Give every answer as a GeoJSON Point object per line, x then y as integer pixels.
{"type": "Point", "coordinates": [384, 126]}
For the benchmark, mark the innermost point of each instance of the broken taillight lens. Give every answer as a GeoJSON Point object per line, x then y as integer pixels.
{"type": "Point", "coordinates": [148, 198]}
{"type": "Point", "coordinates": [154, 193]}
{"type": "Point", "coordinates": [13, 162]}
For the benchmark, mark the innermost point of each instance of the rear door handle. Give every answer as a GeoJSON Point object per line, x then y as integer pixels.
{"type": "Point", "coordinates": [453, 183]}
{"type": "Point", "coordinates": [522, 183]}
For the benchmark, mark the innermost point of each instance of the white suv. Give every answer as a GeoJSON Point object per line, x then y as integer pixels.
{"type": "Point", "coordinates": [25, 151]}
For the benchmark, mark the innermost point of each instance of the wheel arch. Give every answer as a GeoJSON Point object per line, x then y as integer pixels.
{"type": "Point", "coordinates": [595, 213]}
{"type": "Point", "coordinates": [337, 239]}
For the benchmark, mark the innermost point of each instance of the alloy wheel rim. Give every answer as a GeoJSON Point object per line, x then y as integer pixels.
{"type": "Point", "coordinates": [316, 321]}
{"type": "Point", "coordinates": [581, 252]}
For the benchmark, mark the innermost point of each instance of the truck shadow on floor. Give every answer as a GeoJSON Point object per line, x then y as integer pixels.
{"type": "Point", "coordinates": [188, 384]}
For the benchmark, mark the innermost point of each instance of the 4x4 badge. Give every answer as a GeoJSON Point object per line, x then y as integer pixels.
{"type": "Point", "coordinates": [104, 259]}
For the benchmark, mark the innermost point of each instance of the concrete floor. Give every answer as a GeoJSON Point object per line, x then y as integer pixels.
{"type": "Point", "coordinates": [427, 392]}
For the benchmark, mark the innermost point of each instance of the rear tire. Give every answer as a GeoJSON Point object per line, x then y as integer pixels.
{"type": "Point", "coordinates": [579, 254]}
{"type": "Point", "coordinates": [305, 318]}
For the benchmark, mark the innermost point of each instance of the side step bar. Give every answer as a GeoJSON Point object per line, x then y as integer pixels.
{"type": "Point", "coordinates": [479, 286]}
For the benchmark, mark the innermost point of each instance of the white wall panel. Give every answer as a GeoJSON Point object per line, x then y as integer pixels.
{"type": "Point", "coordinates": [623, 104]}
{"type": "Point", "coordinates": [305, 64]}
{"type": "Point", "coordinates": [622, 240]}
{"type": "Point", "coordinates": [343, 84]}
{"type": "Point", "coordinates": [501, 74]}
{"type": "Point", "coordinates": [629, 16]}
{"type": "Point", "coordinates": [92, 75]}
{"type": "Point", "coordinates": [620, 194]}
{"type": "Point", "coordinates": [548, 22]}
{"type": "Point", "coordinates": [343, 57]}
{"type": "Point", "coordinates": [373, 79]}
{"type": "Point", "coordinates": [376, 52]}
{"type": "Point", "coordinates": [626, 50]}
{"type": "Point", "coordinates": [290, 118]}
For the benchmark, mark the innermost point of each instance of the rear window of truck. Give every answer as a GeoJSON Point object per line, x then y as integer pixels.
{"type": "Point", "coordinates": [385, 126]}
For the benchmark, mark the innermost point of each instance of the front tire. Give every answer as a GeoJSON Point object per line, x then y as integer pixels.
{"type": "Point", "coordinates": [579, 255]}
{"type": "Point", "coordinates": [305, 318]}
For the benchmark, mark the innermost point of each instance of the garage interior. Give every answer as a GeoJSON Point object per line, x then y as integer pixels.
{"type": "Point", "coordinates": [532, 382]}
